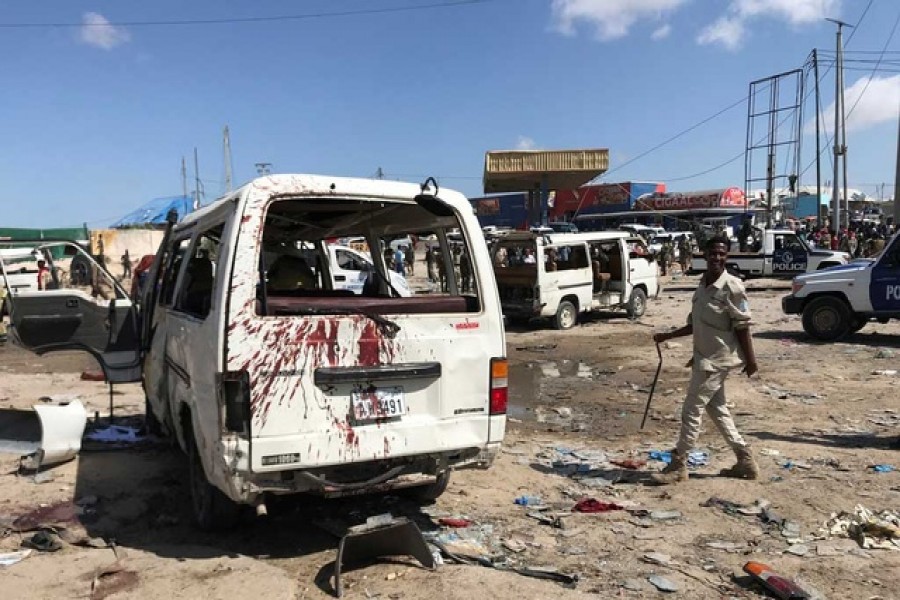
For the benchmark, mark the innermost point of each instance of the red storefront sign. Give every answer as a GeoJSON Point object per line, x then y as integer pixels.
{"type": "Point", "coordinates": [727, 198]}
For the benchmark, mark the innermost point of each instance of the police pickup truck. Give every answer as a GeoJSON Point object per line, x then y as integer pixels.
{"type": "Point", "coordinates": [841, 300]}
{"type": "Point", "coordinates": [781, 252]}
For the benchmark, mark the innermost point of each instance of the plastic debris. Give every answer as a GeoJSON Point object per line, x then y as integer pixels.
{"type": "Point", "coordinates": [882, 468]}
{"type": "Point", "coordinates": [798, 549]}
{"type": "Point", "coordinates": [665, 515]}
{"type": "Point", "coordinates": [663, 584]}
{"type": "Point", "coordinates": [884, 353]}
{"type": "Point", "coordinates": [782, 587]}
{"type": "Point", "coordinates": [592, 505]}
{"type": "Point", "coordinates": [870, 530]}
{"type": "Point", "coordinates": [662, 455]}
{"type": "Point", "coordinates": [115, 433]}
{"type": "Point", "coordinates": [697, 458]}
{"type": "Point", "coordinates": [8, 559]}
{"type": "Point", "coordinates": [528, 501]}
{"type": "Point", "coordinates": [885, 372]}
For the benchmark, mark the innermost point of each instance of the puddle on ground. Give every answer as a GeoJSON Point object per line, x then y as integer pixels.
{"type": "Point", "coordinates": [547, 383]}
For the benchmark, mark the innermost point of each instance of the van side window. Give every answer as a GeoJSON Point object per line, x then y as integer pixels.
{"type": "Point", "coordinates": [168, 275]}
{"type": "Point", "coordinates": [195, 295]}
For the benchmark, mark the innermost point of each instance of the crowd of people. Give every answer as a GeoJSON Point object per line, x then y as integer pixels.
{"type": "Point", "coordinates": [864, 239]}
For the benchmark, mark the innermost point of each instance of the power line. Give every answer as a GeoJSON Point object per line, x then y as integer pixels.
{"type": "Point", "coordinates": [872, 74]}
{"type": "Point", "coordinates": [233, 20]}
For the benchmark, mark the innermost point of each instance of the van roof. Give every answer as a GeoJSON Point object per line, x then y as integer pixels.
{"type": "Point", "coordinates": [326, 185]}
{"type": "Point", "coordinates": [558, 238]}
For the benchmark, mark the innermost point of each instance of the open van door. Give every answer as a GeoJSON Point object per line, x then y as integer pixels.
{"type": "Point", "coordinates": [92, 314]}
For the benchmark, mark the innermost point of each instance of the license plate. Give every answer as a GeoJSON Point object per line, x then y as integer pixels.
{"type": "Point", "coordinates": [381, 403]}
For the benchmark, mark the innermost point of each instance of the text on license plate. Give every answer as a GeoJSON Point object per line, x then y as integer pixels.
{"type": "Point", "coordinates": [381, 403]}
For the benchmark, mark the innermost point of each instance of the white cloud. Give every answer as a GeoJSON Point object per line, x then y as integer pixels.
{"type": "Point", "coordinates": [726, 31]}
{"type": "Point", "coordinates": [879, 104]}
{"type": "Point", "coordinates": [525, 143]}
{"type": "Point", "coordinates": [730, 29]}
{"type": "Point", "coordinates": [97, 31]}
{"type": "Point", "coordinates": [661, 33]}
{"type": "Point", "coordinates": [796, 12]}
{"type": "Point", "coordinates": [611, 18]}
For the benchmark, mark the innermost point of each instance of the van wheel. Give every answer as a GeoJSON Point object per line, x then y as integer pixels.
{"type": "Point", "coordinates": [213, 510]}
{"type": "Point", "coordinates": [637, 304]}
{"type": "Point", "coordinates": [432, 491]}
{"type": "Point", "coordinates": [826, 318]}
{"type": "Point", "coordinates": [566, 316]}
{"type": "Point", "coordinates": [80, 271]}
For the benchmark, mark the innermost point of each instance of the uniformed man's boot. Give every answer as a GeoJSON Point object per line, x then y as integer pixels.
{"type": "Point", "coordinates": [745, 468]}
{"type": "Point", "coordinates": [674, 472]}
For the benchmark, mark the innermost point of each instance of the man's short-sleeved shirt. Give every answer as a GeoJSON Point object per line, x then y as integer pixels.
{"type": "Point", "coordinates": [717, 312]}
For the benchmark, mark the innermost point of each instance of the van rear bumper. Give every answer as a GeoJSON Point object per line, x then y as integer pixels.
{"type": "Point", "coordinates": [369, 476]}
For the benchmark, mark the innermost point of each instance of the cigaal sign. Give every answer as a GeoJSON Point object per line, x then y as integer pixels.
{"type": "Point", "coordinates": [726, 198]}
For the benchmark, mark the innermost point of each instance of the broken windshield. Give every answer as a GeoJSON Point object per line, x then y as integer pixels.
{"type": "Point", "coordinates": [350, 256]}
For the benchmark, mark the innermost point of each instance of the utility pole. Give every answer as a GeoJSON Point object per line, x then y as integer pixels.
{"type": "Point", "coordinates": [379, 174]}
{"type": "Point", "coordinates": [197, 183]}
{"type": "Point", "coordinates": [840, 137]}
{"type": "Point", "coordinates": [226, 148]}
{"type": "Point", "coordinates": [819, 220]}
{"type": "Point", "coordinates": [183, 178]}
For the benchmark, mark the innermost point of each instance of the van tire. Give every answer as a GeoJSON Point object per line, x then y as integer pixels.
{"type": "Point", "coordinates": [827, 318]}
{"type": "Point", "coordinates": [566, 316]}
{"type": "Point", "coordinates": [80, 271]}
{"type": "Point", "coordinates": [432, 491]}
{"type": "Point", "coordinates": [637, 304]}
{"type": "Point", "coordinates": [213, 510]}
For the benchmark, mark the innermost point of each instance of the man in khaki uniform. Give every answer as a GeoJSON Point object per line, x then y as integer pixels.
{"type": "Point", "coordinates": [719, 322]}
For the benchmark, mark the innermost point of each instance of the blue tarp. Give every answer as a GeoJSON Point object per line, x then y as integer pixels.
{"type": "Point", "coordinates": [154, 212]}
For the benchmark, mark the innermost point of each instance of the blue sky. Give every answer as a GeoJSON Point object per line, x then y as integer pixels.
{"type": "Point", "coordinates": [95, 120]}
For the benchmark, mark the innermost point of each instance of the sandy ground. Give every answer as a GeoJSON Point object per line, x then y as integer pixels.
{"type": "Point", "coordinates": [817, 408]}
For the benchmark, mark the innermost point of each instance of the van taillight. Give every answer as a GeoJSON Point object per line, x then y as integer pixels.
{"type": "Point", "coordinates": [499, 391]}
{"type": "Point", "coordinates": [236, 397]}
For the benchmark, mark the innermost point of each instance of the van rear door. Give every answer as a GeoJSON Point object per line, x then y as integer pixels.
{"type": "Point", "coordinates": [335, 377]}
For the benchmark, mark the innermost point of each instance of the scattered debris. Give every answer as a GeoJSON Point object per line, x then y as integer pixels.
{"type": "Point", "coordinates": [885, 372]}
{"type": "Point", "coordinates": [870, 530]}
{"type": "Point", "coordinates": [115, 434]}
{"type": "Point", "coordinates": [665, 515]}
{"type": "Point", "coordinates": [454, 522]}
{"type": "Point", "coordinates": [884, 353]}
{"type": "Point", "coordinates": [537, 348]}
{"type": "Point", "coordinates": [8, 559]}
{"type": "Point", "coordinates": [663, 584]}
{"type": "Point", "coordinates": [661, 455]}
{"type": "Point", "coordinates": [43, 541]}
{"type": "Point", "coordinates": [698, 458]}
{"type": "Point", "coordinates": [633, 585]}
{"type": "Point", "coordinates": [629, 463]}
{"type": "Point", "coordinates": [798, 549]}
{"type": "Point", "coordinates": [781, 587]}
{"type": "Point", "coordinates": [882, 468]}
{"type": "Point", "coordinates": [528, 501]}
{"type": "Point", "coordinates": [657, 558]}
{"type": "Point", "coordinates": [113, 579]}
